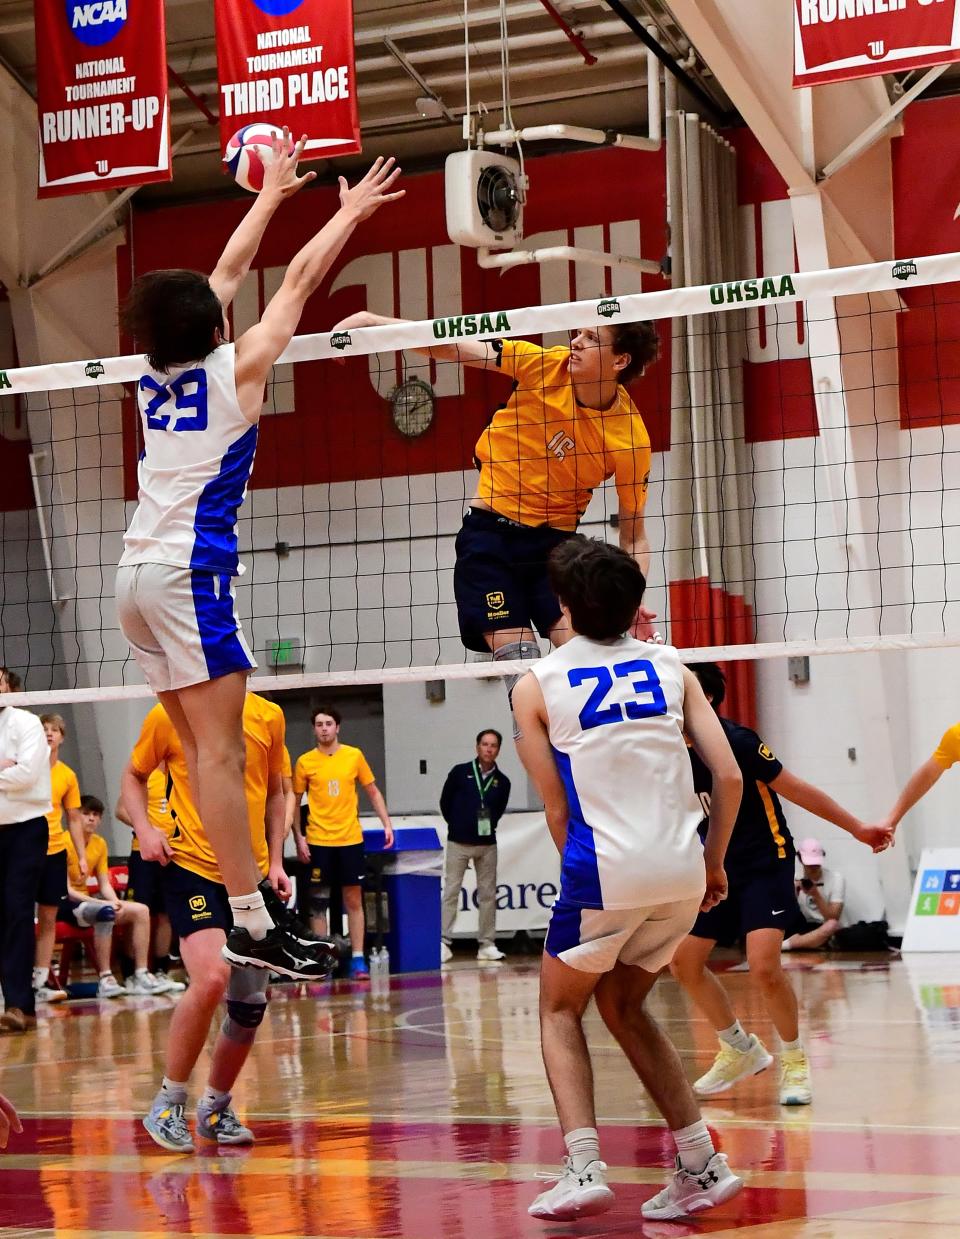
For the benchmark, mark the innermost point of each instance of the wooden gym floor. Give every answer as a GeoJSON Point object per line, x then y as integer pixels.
{"type": "Point", "coordinates": [424, 1112]}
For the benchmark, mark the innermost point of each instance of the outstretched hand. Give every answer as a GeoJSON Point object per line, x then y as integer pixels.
{"type": "Point", "coordinates": [280, 176]}
{"type": "Point", "coordinates": [373, 191]}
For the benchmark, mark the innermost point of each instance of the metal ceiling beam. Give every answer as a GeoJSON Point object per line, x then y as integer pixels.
{"type": "Point", "coordinates": [717, 115]}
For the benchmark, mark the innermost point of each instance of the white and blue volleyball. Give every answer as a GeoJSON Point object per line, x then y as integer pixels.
{"type": "Point", "coordinates": [250, 152]}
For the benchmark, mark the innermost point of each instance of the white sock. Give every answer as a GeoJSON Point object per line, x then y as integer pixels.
{"type": "Point", "coordinates": [39, 977]}
{"type": "Point", "coordinates": [694, 1147]}
{"type": "Point", "coordinates": [172, 1092]}
{"type": "Point", "coordinates": [141, 972]}
{"type": "Point", "coordinates": [787, 1046]}
{"type": "Point", "coordinates": [250, 913]}
{"type": "Point", "coordinates": [214, 1099]}
{"type": "Point", "coordinates": [583, 1147]}
{"type": "Point", "coordinates": [735, 1037]}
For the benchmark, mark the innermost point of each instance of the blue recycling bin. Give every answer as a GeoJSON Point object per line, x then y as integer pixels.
{"type": "Point", "coordinates": [410, 873]}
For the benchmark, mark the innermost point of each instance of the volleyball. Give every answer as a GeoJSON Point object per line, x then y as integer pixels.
{"type": "Point", "coordinates": [249, 152]}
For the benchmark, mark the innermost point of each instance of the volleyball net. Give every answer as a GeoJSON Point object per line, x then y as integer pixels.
{"type": "Point", "coordinates": [803, 495]}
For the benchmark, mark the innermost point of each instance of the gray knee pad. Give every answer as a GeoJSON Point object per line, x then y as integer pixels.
{"type": "Point", "coordinates": [319, 900]}
{"type": "Point", "coordinates": [246, 1004]}
{"type": "Point", "coordinates": [516, 650]}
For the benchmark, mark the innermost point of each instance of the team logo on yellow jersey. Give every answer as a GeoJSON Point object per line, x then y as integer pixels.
{"type": "Point", "coordinates": [198, 903]}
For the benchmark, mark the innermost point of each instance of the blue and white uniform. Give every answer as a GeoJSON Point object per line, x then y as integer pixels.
{"type": "Point", "coordinates": [632, 876]}
{"type": "Point", "coordinates": [175, 595]}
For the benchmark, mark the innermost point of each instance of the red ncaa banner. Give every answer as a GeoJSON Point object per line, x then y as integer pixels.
{"type": "Point", "coordinates": [289, 62]}
{"type": "Point", "coordinates": [102, 104]}
{"type": "Point", "coordinates": [839, 39]}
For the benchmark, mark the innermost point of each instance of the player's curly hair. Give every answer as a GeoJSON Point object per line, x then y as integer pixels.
{"type": "Point", "coordinates": [600, 584]}
{"type": "Point", "coordinates": [641, 341]}
{"type": "Point", "coordinates": [174, 316]}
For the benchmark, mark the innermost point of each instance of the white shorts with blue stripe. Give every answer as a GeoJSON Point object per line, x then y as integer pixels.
{"type": "Point", "coordinates": [595, 939]}
{"type": "Point", "coordinates": [181, 623]}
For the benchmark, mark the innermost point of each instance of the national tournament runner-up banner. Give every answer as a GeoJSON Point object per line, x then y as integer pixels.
{"type": "Point", "coordinates": [839, 39]}
{"type": "Point", "coordinates": [289, 62]}
{"type": "Point", "coordinates": [102, 103]}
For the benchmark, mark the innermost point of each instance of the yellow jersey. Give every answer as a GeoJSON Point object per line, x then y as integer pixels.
{"type": "Point", "coordinates": [159, 744]}
{"type": "Point", "coordinates": [948, 750]}
{"type": "Point", "coordinates": [65, 794]}
{"type": "Point", "coordinates": [543, 454]}
{"type": "Point", "coordinates": [287, 770]}
{"type": "Point", "coordinates": [330, 781]}
{"type": "Point", "coordinates": [96, 853]}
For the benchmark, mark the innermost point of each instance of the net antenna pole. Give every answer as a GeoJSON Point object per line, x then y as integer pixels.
{"type": "Point", "coordinates": [35, 459]}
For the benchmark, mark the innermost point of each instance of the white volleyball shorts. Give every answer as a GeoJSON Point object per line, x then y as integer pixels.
{"type": "Point", "coordinates": [182, 624]}
{"type": "Point", "coordinates": [595, 939]}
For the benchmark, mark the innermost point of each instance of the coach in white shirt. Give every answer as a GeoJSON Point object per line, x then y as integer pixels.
{"type": "Point", "coordinates": [24, 804]}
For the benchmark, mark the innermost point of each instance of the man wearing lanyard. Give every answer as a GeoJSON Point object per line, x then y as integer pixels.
{"type": "Point", "coordinates": [472, 802]}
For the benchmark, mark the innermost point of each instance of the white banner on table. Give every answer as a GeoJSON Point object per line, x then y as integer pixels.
{"type": "Point", "coordinates": [528, 877]}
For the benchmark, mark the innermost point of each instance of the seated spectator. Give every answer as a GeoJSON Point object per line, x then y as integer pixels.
{"type": "Point", "coordinates": [820, 893]}
{"type": "Point", "coordinates": [103, 912]}
{"type": "Point", "coordinates": [473, 800]}
{"type": "Point", "coordinates": [144, 877]}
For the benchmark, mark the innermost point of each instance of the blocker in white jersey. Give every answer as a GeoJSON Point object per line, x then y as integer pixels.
{"type": "Point", "coordinates": [175, 596]}
{"type": "Point", "coordinates": [200, 402]}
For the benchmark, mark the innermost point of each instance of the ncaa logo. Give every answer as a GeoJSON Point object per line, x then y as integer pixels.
{"type": "Point", "coordinates": [95, 22]}
{"type": "Point", "coordinates": [198, 903]}
{"type": "Point", "coordinates": [277, 8]}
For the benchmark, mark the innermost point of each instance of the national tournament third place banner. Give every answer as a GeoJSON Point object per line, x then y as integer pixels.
{"type": "Point", "coordinates": [102, 104]}
{"type": "Point", "coordinates": [289, 62]}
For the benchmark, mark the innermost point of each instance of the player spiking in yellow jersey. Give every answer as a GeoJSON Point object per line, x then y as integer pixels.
{"type": "Point", "coordinates": [568, 425]}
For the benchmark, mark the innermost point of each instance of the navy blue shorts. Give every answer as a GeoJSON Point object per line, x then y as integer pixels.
{"type": "Point", "coordinates": [757, 901]}
{"type": "Point", "coordinates": [193, 902]}
{"type": "Point", "coordinates": [500, 577]}
{"type": "Point", "coordinates": [337, 866]}
{"type": "Point", "coordinates": [53, 880]}
{"type": "Point", "coordinates": [144, 883]}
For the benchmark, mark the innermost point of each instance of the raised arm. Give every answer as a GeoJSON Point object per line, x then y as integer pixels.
{"type": "Point", "coordinates": [479, 353]}
{"type": "Point", "coordinates": [259, 348]}
{"type": "Point", "coordinates": [703, 727]}
{"type": "Point", "coordinates": [280, 181]}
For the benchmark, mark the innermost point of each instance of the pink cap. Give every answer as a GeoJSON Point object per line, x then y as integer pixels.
{"type": "Point", "coordinates": [810, 851]}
